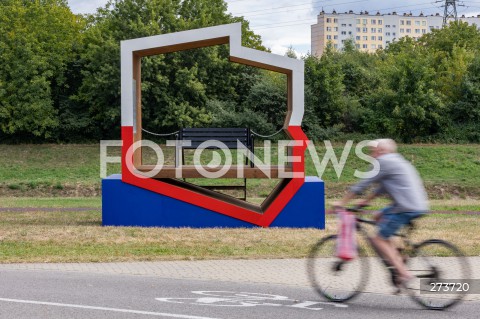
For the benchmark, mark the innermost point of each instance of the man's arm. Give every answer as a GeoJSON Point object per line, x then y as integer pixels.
{"type": "Point", "coordinates": [350, 195]}
{"type": "Point", "coordinates": [346, 199]}
{"type": "Point", "coordinates": [358, 188]}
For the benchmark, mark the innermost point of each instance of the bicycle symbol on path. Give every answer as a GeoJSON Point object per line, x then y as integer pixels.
{"type": "Point", "coordinates": [248, 299]}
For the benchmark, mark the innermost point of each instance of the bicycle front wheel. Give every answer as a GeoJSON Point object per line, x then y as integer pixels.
{"type": "Point", "coordinates": [437, 261]}
{"type": "Point", "coordinates": [333, 278]}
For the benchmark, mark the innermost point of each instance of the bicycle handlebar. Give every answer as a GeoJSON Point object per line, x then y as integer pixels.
{"type": "Point", "coordinates": [359, 209]}
{"type": "Point", "coordinates": [366, 221]}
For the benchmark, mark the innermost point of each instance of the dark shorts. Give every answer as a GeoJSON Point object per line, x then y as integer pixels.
{"type": "Point", "coordinates": [390, 222]}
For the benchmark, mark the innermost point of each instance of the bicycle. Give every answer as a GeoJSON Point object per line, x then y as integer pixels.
{"type": "Point", "coordinates": [432, 260]}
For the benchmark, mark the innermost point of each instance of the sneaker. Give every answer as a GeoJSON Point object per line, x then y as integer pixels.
{"type": "Point", "coordinates": [406, 283]}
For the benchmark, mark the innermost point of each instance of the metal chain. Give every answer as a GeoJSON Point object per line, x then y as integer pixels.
{"type": "Point", "coordinates": [266, 136]}
{"type": "Point", "coordinates": [159, 134]}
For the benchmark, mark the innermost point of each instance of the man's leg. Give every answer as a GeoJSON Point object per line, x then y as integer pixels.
{"type": "Point", "coordinates": [389, 224]}
{"type": "Point", "coordinates": [391, 254]}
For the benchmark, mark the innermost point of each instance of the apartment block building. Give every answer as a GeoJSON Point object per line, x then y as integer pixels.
{"type": "Point", "coordinates": [372, 31]}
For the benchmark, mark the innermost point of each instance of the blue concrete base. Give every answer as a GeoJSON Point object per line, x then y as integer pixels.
{"type": "Point", "coordinates": [127, 205]}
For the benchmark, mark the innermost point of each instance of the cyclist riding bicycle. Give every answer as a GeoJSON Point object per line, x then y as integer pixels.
{"type": "Point", "coordinates": [400, 180]}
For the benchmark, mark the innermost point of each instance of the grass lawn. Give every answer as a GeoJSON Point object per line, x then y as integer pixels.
{"type": "Point", "coordinates": [60, 186]}
{"type": "Point", "coordinates": [449, 171]}
{"type": "Point", "coordinates": [60, 235]}
{"type": "Point", "coordinates": [63, 236]}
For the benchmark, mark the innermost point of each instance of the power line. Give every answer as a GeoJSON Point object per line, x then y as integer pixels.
{"type": "Point", "coordinates": [297, 5]}
{"type": "Point", "coordinates": [290, 6]}
{"type": "Point", "coordinates": [329, 5]}
{"type": "Point", "coordinates": [263, 26]}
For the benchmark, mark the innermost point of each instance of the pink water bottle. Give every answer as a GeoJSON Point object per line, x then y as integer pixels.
{"type": "Point", "coordinates": [346, 240]}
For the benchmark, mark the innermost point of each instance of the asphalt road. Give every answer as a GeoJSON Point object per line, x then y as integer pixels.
{"type": "Point", "coordinates": [51, 294]}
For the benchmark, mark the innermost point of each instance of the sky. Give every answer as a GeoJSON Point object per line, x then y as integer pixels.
{"type": "Point", "coordinates": [286, 23]}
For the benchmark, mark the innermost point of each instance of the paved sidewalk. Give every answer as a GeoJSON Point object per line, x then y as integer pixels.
{"type": "Point", "coordinates": [273, 271]}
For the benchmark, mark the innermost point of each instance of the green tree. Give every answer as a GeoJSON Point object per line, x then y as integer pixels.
{"type": "Point", "coordinates": [37, 40]}
{"type": "Point", "coordinates": [406, 105]}
{"type": "Point", "coordinates": [325, 101]}
{"type": "Point", "coordinates": [269, 96]}
{"type": "Point", "coordinates": [456, 34]}
{"type": "Point", "coordinates": [175, 86]}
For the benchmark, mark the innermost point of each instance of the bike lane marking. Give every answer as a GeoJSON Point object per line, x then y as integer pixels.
{"type": "Point", "coordinates": [247, 299]}
{"type": "Point", "coordinates": [139, 312]}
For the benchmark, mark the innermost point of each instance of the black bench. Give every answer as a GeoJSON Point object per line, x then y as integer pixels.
{"type": "Point", "coordinates": [228, 136]}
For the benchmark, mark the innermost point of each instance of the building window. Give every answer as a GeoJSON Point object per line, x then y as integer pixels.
{"type": "Point", "coordinates": [417, 22]}
{"type": "Point", "coordinates": [373, 37]}
{"type": "Point", "coordinates": [364, 21]}
{"type": "Point", "coordinates": [394, 26]}
{"type": "Point", "coordinates": [380, 38]}
{"type": "Point", "coordinates": [402, 30]}
{"type": "Point", "coordinates": [344, 32]}
{"type": "Point", "coordinates": [335, 46]}
{"type": "Point", "coordinates": [357, 38]}
{"type": "Point", "coordinates": [335, 20]}
{"type": "Point", "coordinates": [329, 28]}
{"type": "Point", "coordinates": [373, 30]}
{"type": "Point", "coordinates": [358, 21]}
{"type": "Point", "coordinates": [335, 29]}
{"type": "Point", "coordinates": [335, 37]}
{"type": "Point", "coordinates": [379, 30]}
{"type": "Point", "coordinates": [365, 46]}
{"type": "Point", "coordinates": [350, 32]}
{"type": "Point", "coordinates": [359, 30]}
{"type": "Point", "coordinates": [329, 37]}
{"type": "Point", "coordinates": [409, 30]}
{"type": "Point", "coordinates": [373, 21]}
{"type": "Point", "coordinates": [344, 25]}
{"type": "Point", "coordinates": [380, 22]}
{"type": "Point", "coordinates": [393, 34]}
{"type": "Point", "coordinates": [409, 22]}
{"type": "Point", "coordinates": [432, 27]}
{"type": "Point", "coordinates": [424, 23]}
{"type": "Point", "coordinates": [380, 46]}
{"type": "Point", "coordinates": [349, 24]}
{"type": "Point", "coordinates": [343, 41]}
{"type": "Point", "coordinates": [357, 46]}
{"type": "Point", "coordinates": [365, 38]}
{"type": "Point", "coordinates": [387, 42]}
{"type": "Point", "coordinates": [424, 31]}
{"type": "Point", "coordinates": [329, 20]}
{"type": "Point", "coordinates": [402, 22]}
{"type": "Point", "coordinates": [387, 26]}
{"type": "Point", "coordinates": [373, 46]}
{"type": "Point", "coordinates": [387, 33]}
{"type": "Point", "coordinates": [365, 30]}
{"type": "Point", "coordinates": [417, 31]}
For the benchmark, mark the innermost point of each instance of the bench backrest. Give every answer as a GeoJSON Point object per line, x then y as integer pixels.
{"type": "Point", "coordinates": [227, 136]}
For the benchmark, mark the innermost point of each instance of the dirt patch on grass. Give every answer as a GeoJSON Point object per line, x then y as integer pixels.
{"type": "Point", "coordinates": [332, 190]}
{"type": "Point", "coordinates": [45, 190]}
{"type": "Point", "coordinates": [434, 190]}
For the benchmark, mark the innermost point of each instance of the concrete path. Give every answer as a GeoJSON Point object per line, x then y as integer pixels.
{"type": "Point", "coordinates": [291, 272]}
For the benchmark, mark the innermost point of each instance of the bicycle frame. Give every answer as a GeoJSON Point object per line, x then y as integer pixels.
{"type": "Point", "coordinates": [406, 244]}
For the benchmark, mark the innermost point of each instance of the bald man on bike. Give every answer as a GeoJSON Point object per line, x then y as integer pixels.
{"type": "Point", "coordinates": [398, 179]}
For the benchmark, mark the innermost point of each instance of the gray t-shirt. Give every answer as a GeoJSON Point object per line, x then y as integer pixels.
{"type": "Point", "coordinates": [400, 180]}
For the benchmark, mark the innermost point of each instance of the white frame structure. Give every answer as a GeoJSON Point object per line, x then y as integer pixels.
{"type": "Point", "coordinates": [133, 50]}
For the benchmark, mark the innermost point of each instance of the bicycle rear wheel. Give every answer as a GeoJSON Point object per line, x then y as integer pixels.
{"type": "Point", "coordinates": [333, 278]}
{"type": "Point", "coordinates": [436, 261]}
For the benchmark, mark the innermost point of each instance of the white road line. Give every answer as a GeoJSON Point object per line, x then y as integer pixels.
{"type": "Point", "coordinates": [140, 312]}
